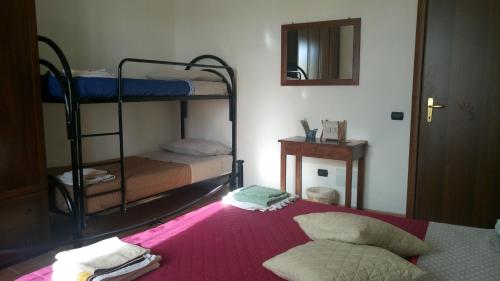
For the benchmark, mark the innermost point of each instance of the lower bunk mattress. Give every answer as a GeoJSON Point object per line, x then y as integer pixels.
{"type": "Point", "coordinates": [147, 175]}
{"type": "Point", "coordinates": [222, 242]}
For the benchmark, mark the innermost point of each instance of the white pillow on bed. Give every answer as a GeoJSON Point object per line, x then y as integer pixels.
{"type": "Point", "coordinates": [358, 229]}
{"type": "Point", "coordinates": [192, 74]}
{"type": "Point", "coordinates": [326, 260]}
{"type": "Point", "coordinates": [197, 147]}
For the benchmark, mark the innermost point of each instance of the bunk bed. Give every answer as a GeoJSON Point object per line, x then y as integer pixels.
{"type": "Point", "coordinates": [140, 178]}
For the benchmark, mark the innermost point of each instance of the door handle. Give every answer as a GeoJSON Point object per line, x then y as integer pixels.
{"type": "Point", "coordinates": [430, 106]}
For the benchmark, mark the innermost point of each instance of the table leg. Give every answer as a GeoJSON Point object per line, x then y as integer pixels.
{"type": "Point", "coordinates": [298, 176]}
{"type": "Point", "coordinates": [283, 169]}
{"type": "Point", "coordinates": [361, 183]}
{"type": "Point", "coordinates": [348, 183]}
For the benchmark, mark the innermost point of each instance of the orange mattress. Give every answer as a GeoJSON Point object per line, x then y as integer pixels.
{"type": "Point", "coordinates": [144, 178]}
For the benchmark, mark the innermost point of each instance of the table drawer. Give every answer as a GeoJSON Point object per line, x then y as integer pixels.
{"type": "Point", "coordinates": [323, 151]}
{"type": "Point", "coordinates": [291, 148]}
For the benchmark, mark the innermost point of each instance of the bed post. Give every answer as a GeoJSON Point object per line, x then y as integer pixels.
{"type": "Point", "coordinates": [81, 181]}
{"type": "Point", "coordinates": [123, 188]}
{"type": "Point", "coordinates": [183, 111]}
{"type": "Point", "coordinates": [240, 173]}
{"type": "Point", "coordinates": [232, 118]}
{"type": "Point", "coordinates": [77, 194]}
{"type": "Point", "coordinates": [72, 125]}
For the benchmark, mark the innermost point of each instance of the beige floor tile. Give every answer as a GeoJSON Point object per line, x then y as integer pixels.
{"type": "Point", "coordinates": [103, 224]}
{"type": "Point", "coordinates": [8, 275]}
{"type": "Point", "coordinates": [31, 264]}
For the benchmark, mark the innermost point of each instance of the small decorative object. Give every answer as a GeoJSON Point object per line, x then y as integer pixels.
{"type": "Point", "coordinates": [334, 130]}
{"type": "Point", "coordinates": [305, 124]}
{"type": "Point", "coordinates": [310, 134]}
{"type": "Point", "coordinates": [342, 129]}
{"type": "Point", "coordinates": [330, 130]}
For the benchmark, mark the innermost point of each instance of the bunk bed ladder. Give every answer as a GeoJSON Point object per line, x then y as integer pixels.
{"type": "Point", "coordinates": [120, 161]}
{"type": "Point", "coordinates": [123, 205]}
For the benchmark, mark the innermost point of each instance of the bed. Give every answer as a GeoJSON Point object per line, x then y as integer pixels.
{"type": "Point", "coordinates": [102, 89]}
{"type": "Point", "coordinates": [147, 175]}
{"type": "Point", "coordinates": [205, 77]}
{"type": "Point", "coordinates": [221, 242]}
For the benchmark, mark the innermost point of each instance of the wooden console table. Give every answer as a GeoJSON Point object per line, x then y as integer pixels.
{"type": "Point", "coordinates": [349, 151]}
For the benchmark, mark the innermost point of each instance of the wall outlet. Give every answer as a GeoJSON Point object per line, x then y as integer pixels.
{"type": "Point", "coordinates": [322, 172]}
{"type": "Point", "coordinates": [397, 115]}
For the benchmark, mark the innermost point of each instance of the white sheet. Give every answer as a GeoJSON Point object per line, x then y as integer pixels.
{"type": "Point", "coordinates": [202, 167]}
{"type": "Point", "coordinates": [192, 74]}
{"type": "Point", "coordinates": [201, 88]}
{"type": "Point", "coordinates": [461, 253]}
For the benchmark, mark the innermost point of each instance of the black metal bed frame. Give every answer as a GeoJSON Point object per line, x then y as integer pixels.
{"type": "Point", "coordinates": [76, 205]}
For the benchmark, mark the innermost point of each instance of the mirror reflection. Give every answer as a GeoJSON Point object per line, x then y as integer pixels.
{"type": "Point", "coordinates": [321, 53]}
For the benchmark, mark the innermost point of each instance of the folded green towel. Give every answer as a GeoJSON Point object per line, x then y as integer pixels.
{"type": "Point", "coordinates": [261, 191]}
{"type": "Point", "coordinates": [263, 196]}
{"type": "Point", "coordinates": [264, 202]}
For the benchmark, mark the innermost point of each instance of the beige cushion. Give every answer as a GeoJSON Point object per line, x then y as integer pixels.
{"type": "Point", "coordinates": [334, 261]}
{"type": "Point", "coordinates": [197, 147]}
{"type": "Point", "coordinates": [360, 230]}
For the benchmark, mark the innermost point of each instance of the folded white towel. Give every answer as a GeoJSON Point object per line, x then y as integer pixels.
{"type": "Point", "coordinates": [97, 179]}
{"type": "Point", "coordinates": [62, 271]}
{"type": "Point", "coordinates": [228, 199]}
{"type": "Point", "coordinates": [87, 173]}
{"type": "Point", "coordinates": [129, 270]}
{"type": "Point", "coordinates": [104, 256]}
{"type": "Point", "coordinates": [90, 176]}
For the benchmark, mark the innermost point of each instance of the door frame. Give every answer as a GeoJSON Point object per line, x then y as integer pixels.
{"type": "Point", "coordinates": [416, 101]}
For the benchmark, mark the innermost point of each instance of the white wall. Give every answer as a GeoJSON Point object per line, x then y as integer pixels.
{"type": "Point", "coordinates": [247, 35]}
{"type": "Point", "coordinates": [98, 34]}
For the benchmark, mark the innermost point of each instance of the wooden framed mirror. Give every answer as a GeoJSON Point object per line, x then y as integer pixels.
{"type": "Point", "coordinates": [320, 53]}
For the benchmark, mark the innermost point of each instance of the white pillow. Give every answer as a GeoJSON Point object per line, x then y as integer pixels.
{"type": "Point", "coordinates": [197, 147]}
{"type": "Point", "coordinates": [360, 230]}
{"type": "Point", "coordinates": [192, 74]}
{"type": "Point", "coordinates": [327, 260]}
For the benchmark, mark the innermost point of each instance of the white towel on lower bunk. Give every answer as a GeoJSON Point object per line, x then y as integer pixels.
{"type": "Point", "coordinates": [88, 173]}
{"type": "Point", "coordinates": [228, 199]}
{"type": "Point", "coordinates": [90, 176]}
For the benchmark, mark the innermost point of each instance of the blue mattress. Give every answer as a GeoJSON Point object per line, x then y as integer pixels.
{"type": "Point", "coordinates": [106, 89]}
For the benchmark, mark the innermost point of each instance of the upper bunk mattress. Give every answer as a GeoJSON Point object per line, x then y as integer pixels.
{"type": "Point", "coordinates": [106, 88]}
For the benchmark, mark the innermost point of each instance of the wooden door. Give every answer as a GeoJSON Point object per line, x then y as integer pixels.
{"type": "Point", "coordinates": [23, 191]}
{"type": "Point", "coordinates": [458, 153]}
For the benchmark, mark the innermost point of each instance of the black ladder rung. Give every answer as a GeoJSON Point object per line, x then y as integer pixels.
{"type": "Point", "coordinates": [104, 193]}
{"type": "Point", "coordinates": [100, 135]}
{"type": "Point", "coordinates": [90, 165]}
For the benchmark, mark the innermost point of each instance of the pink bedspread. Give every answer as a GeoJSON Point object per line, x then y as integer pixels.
{"type": "Point", "coordinates": [220, 242]}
